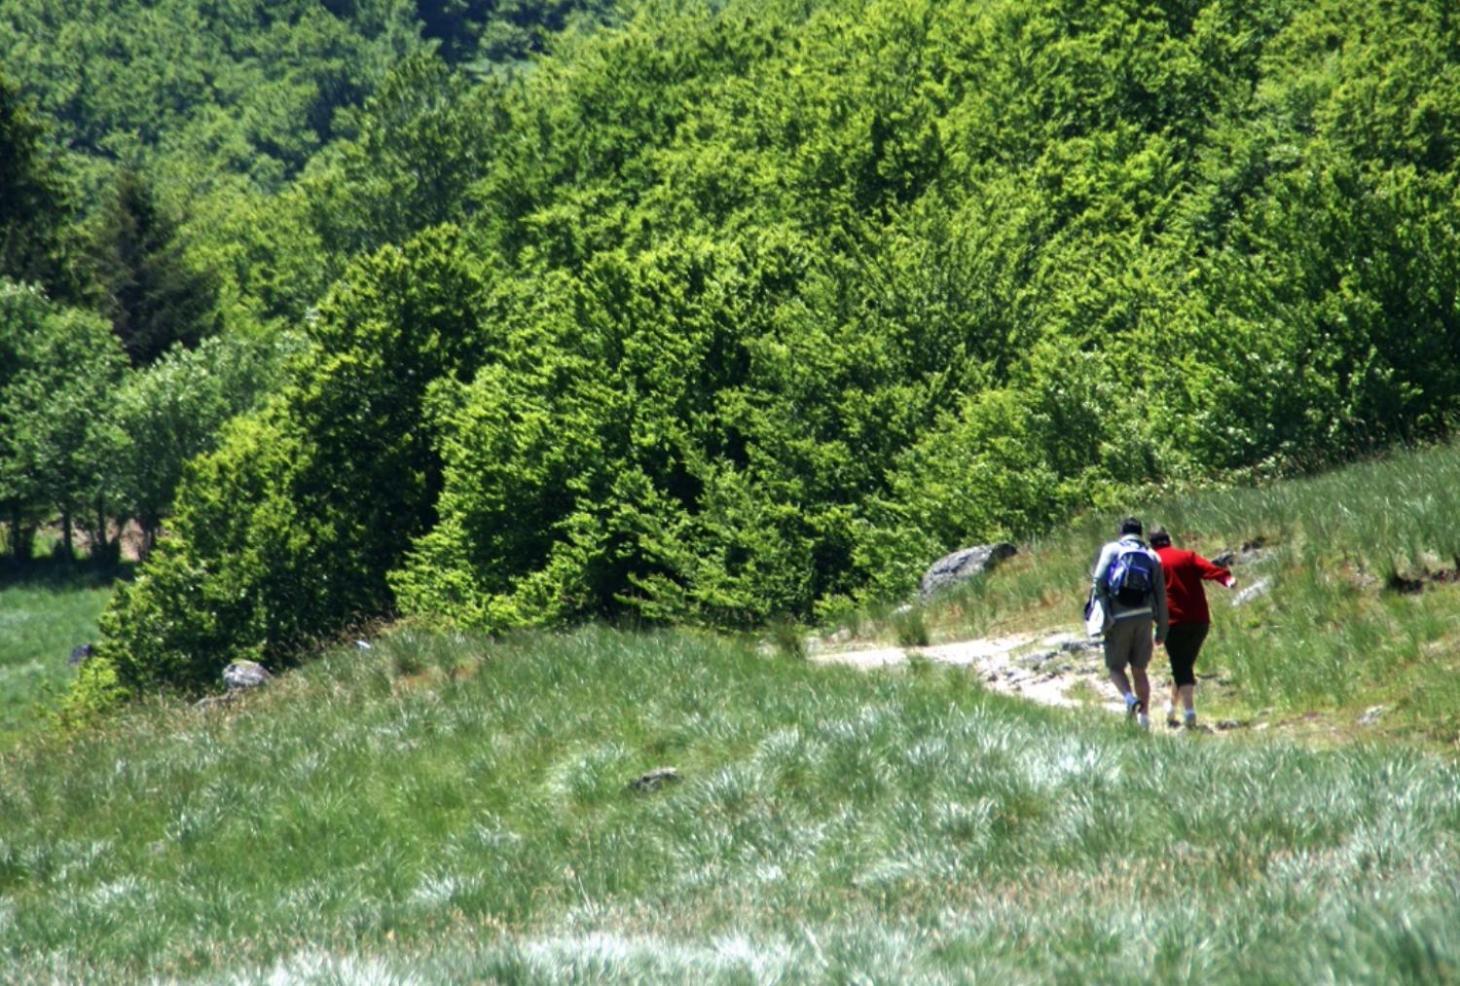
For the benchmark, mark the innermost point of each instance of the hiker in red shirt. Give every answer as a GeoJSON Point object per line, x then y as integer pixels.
{"type": "Point", "coordinates": [1186, 602]}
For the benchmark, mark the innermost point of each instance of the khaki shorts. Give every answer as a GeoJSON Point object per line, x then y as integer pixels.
{"type": "Point", "coordinates": [1129, 642]}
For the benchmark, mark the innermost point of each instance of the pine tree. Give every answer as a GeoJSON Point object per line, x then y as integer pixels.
{"type": "Point", "coordinates": [148, 290]}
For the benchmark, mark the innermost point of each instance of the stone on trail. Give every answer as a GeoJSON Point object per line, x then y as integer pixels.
{"type": "Point", "coordinates": [963, 565]}
{"type": "Point", "coordinates": [1372, 715]}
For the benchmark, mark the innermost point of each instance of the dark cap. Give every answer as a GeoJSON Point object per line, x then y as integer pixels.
{"type": "Point", "coordinates": [1160, 538]}
{"type": "Point", "coordinates": [1131, 526]}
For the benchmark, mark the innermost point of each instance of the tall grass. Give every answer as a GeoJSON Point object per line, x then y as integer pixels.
{"type": "Point", "coordinates": [472, 820]}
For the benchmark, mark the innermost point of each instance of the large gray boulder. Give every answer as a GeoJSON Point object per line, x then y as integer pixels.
{"type": "Point", "coordinates": [963, 565]}
{"type": "Point", "coordinates": [241, 675]}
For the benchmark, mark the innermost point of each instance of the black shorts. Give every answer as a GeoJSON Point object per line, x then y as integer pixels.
{"type": "Point", "coordinates": [1183, 643]}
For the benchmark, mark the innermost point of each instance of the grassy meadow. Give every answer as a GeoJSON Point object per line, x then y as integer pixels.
{"type": "Point", "coordinates": [448, 810]}
{"type": "Point", "coordinates": [46, 609]}
{"type": "Point", "coordinates": [442, 808]}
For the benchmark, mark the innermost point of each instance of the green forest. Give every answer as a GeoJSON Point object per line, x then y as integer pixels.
{"type": "Point", "coordinates": [509, 314]}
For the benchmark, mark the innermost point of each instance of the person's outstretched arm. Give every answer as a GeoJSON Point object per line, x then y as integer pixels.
{"type": "Point", "coordinates": [1212, 572]}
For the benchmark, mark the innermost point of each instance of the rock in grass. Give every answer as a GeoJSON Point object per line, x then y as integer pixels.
{"type": "Point", "coordinates": [963, 565]}
{"type": "Point", "coordinates": [80, 654]}
{"type": "Point", "coordinates": [241, 675]}
{"type": "Point", "coordinates": [1371, 715]}
{"type": "Point", "coordinates": [1250, 553]}
{"type": "Point", "coordinates": [655, 779]}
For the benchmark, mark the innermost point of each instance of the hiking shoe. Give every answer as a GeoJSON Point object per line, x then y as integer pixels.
{"type": "Point", "coordinates": [1132, 706]}
{"type": "Point", "coordinates": [1172, 722]}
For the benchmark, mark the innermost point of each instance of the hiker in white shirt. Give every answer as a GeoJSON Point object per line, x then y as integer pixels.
{"type": "Point", "coordinates": [1129, 582]}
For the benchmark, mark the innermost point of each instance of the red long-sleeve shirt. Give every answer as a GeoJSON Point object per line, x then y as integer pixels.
{"type": "Point", "coordinates": [1185, 598]}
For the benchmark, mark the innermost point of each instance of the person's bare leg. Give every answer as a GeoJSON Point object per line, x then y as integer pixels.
{"type": "Point", "coordinates": [1188, 703]}
{"type": "Point", "coordinates": [1143, 687]}
{"type": "Point", "coordinates": [1121, 682]}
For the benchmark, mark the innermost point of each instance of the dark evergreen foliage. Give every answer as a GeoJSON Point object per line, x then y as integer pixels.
{"type": "Point", "coordinates": [145, 284]}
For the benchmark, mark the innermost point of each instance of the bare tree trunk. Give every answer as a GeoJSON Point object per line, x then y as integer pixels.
{"type": "Point", "coordinates": [101, 526]}
{"type": "Point", "coordinates": [150, 529]}
{"type": "Point", "coordinates": [67, 543]}
{"type": "Point", "coordinates": [104, 549]}
{"type": "Point", "coordinates": [22, 538]}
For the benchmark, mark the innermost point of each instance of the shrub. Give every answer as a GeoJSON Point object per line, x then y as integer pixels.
{"type": "Point", "coordinates": [284, 534]}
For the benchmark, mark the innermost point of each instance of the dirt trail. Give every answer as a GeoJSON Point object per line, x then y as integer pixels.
{"type": "Point", "coordinates": [1052, 667]}
{"type": "Point", "coordinates": [1063, 668]}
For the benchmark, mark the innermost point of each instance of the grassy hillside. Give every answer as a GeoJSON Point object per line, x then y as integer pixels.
{"type": "Point", "coordinates": [450, 808]}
